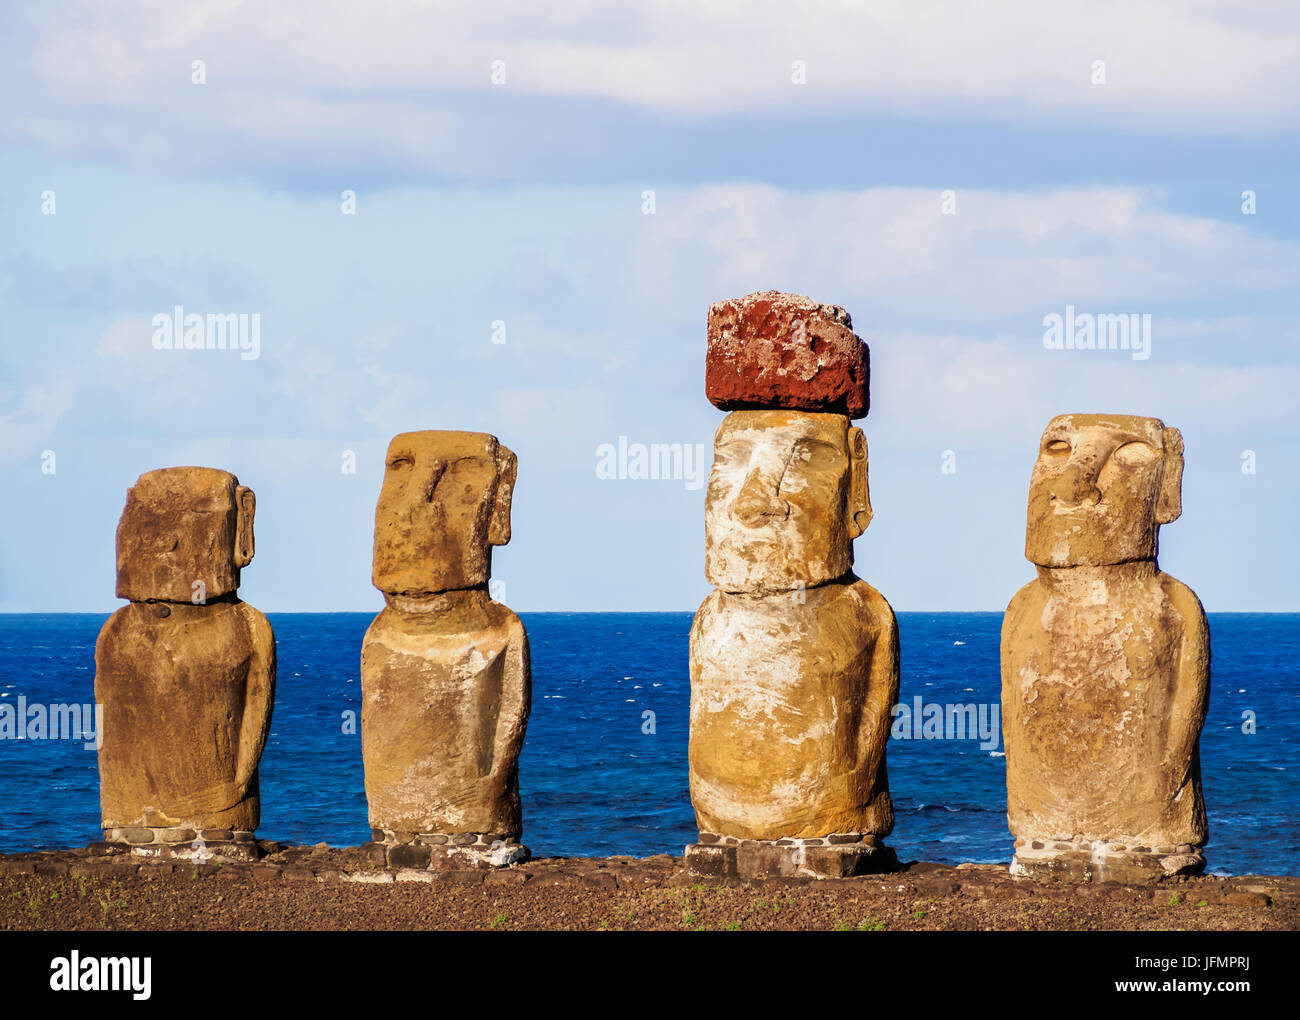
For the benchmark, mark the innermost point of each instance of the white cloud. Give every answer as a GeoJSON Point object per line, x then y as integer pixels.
{"type": "Point", "coordinates": [1002, 254]}
{"type": "Point", "coordinates": [408, 84]}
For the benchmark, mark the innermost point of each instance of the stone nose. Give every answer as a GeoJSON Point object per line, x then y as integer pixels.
{"type": "Point", "coordinates": [436, 471]}
{"type": "Point", "coordinates": [758, 503]}
{"type": "Point", "coordinates": [1077, 484]}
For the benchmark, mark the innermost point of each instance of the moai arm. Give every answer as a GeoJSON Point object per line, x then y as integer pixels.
{"type": "Point", "coordinates": [882, 687]}
{"type": "Point", "coordinates": [1192, 687]}
{"type": "Point", "coordinates": [516, 703]}
{"type": "Point", "coordinates": [259, 697]}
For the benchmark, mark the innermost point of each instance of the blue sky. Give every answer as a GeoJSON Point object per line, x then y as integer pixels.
{"type": "Point", "coordinates": [522, 203]}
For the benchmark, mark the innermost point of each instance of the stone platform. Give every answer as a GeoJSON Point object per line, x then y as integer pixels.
{"type": "Point", "coordinates": [444, 851]}
{"type": "Point", "coordinates": [1082, 861]}
{"type": "Point", "coordinates": [839, 855]}
{"type": "Point", "coordinates": [200, 845]}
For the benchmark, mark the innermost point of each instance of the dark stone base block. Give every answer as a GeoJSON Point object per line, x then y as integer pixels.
{"type": "Point", "coordinates": [755, 858]}
{"type": "Point", "coordinates": [1083, 862]}
{"type": "Point", "coordinates": [445, 851]}
{"type": "Point", "coordinates": [202, 846]}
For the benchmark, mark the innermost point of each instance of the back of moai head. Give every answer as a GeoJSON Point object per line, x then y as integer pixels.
{"type": "Point", "coordinates": [445, 502]}
{"type": "Point", "coordinates": [185, 532]}
{"type": "Point", "coordinates": [788, 490]}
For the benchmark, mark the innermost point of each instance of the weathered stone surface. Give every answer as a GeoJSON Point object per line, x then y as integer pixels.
{"type": "Point", "coordinates": [787, 495]}
{"type": "Point", "coordinates": [445, 502]}
{"type": "Point", "coordinates": [775, 350]}
{"type": "Point", "coordinates": [217, 835]}
{"type": "Point", "coordinates": [182, 525]}
{"type": "Point", "coordinates": [790, 712]}
{"type": "Point", "coordinates": [187, 696]}
{"type": "Point", "coordinates": [445, 674]}
{"type": "Point", "coordinates": [1103, 866]}
{"type": "Point", "coordinates": [1105, 662]}
{"type": "Point", "coordinates": [409, 855]}
{"type": "Point", "coordinates": [175, 835]}
{"type": "Point", "coordinates": [711, 860]}
{"type": "Point", "coordinates": [793, 659]}
{"type": "Point", "coordinates": [765, 859]}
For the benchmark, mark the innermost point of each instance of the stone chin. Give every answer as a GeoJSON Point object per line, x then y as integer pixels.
{"type": "Point", "coordinates": [743, 563]}
{"type": "Point", "coordinates": [1092, 537]}
{"type": "Point", "coordinates": [431, 580]}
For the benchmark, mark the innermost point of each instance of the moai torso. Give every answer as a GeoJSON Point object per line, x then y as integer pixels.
{"type": "Point", "coordinates": [186, 672]}
{"type": "Point", "coordinates": [1105, 665]}
{"type": "Point", "coordinates": [443, 717]}
{"type": "Point", "coordinates": [794, 659]}
{"type": "Point", "coordinates": [187, 705]}
{"type": "Point", "coordinates": [445, 672]}
{"type": "Point", "coordinates": [787, 703]}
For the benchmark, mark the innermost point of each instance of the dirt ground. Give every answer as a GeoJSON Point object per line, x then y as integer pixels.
{"type": "Point", "coordinates": [322, 888]}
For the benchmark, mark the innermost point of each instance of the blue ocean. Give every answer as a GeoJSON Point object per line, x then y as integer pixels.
{"type": "Point", "coordinates": [604, 764]}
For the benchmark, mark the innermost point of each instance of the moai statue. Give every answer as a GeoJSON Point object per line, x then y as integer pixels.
{"type": "Point", "coordinates": [1105, 663]}
{"type": "Point", "coordinates": [793, 658]}
{"type": "Point", "coordinates": [185, 673]}
{"type": "Point", "coordinates": [445, 676]}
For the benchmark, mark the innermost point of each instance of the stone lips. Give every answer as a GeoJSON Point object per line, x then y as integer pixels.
{"type": "Point", "coordinates": [785, 351]}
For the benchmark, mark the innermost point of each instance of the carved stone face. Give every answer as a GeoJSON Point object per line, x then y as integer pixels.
{"type": "Point", "coordinates": [786, 497]}
{"type": "Point", "coordinates": [445, 502]}
{"type": "Point", "coordinates": [180, 526]}
{"type": "Point", "coordinates": [1102, 486]}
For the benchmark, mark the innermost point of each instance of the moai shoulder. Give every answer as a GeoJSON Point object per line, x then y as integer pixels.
{"type": "Point", "coordinates": [185, 671]}
{"type": "Point", "coordinates": [1105, 662]}
{"type": "Point", "coordinates": [445, 671]}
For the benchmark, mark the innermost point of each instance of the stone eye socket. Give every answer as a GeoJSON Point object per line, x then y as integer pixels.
{"type": "Point", "coordinates": [1136, 454]}
{"type": "Point", "coordinates": [401, 461]}
{"type": "Point", "coordinates": [1057, 448]}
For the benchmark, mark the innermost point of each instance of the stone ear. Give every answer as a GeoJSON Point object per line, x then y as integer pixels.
{"type": "Point", "coordinates": [1170, 504]}
{"type": "Point", "coordinates": [499, 524]}
{"type": "Point", "coordinates": [859, 499]}
{"type": "Point", "coordinates": [245, 507]}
